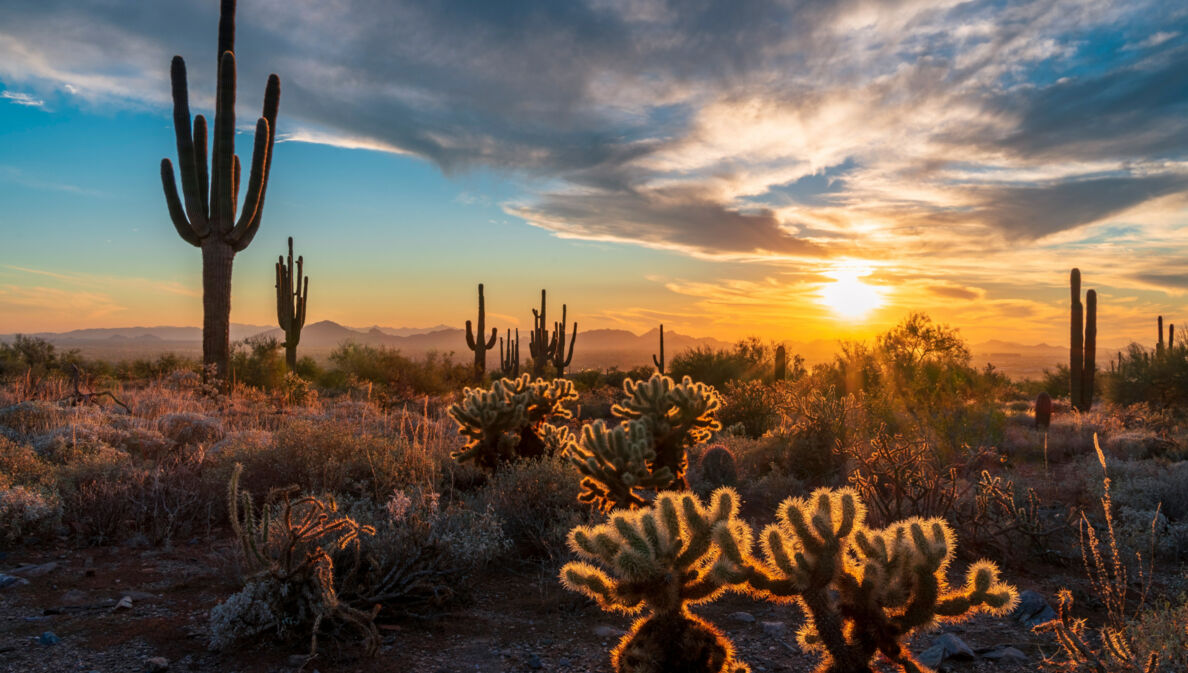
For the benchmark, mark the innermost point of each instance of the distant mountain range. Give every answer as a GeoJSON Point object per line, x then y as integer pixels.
{"type": "Point", "coordinates": [595, 348]}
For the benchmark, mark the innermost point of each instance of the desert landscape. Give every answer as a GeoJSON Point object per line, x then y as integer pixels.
{"type": "Point", "coordinates": [839, 402]}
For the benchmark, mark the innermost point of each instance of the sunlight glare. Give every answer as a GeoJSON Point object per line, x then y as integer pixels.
{"type": "Point", "coordinates": [847, 296]}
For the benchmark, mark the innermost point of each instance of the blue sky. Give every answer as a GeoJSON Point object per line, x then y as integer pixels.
{"type": "Point", "coordinates": [710, 165]}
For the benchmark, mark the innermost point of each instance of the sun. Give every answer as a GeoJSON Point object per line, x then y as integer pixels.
{"type": "Point", "coordinates": [847, 296]}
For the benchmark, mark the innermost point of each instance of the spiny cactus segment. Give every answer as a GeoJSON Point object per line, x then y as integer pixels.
{"type": "Point", "coordinates": [292, 294]}
{"type": "Point", "coordinates": [647, 450]}
{"type": "Point", "coordinates": [474, 339]}
{"type": "Point", "coordinates": [663, 559]}
{"type": "Point", "coordinates": [509, 421]}
{"type": "Point", "coordinates": [865, 591]}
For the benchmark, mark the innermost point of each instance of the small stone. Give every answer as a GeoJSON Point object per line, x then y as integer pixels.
{"type": "Point", "coordinates": [744, 617]}
{"type": "Point", "coordinates": [124, 603]}
{"type": "Point", "coordinates": [563, 662]}
{"type": "Point", "coordinates": [534, 662]}
{"type": "Point", "coordinates": [947, 646]}
{"type": "Point", "coordinates": [608, 632]}
{"type": "Point", "coordinates": [11, 580]}
{"type": "Point", "coordinates": [37, 570]}
{"type": "Point", "coordinates": [156, 665]}
{"type": "Point", "coordinates": [775, 629]}
{"type": "Point", "coordinates": [49, 638]}
{"type": "Point", "coordinates": [74, 597]}
{"type": "Point", "coordinates": [1005, 655]}
{"type": "Point", "coordinates": [1033, 610]}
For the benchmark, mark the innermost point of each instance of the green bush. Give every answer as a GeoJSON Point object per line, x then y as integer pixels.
{"type": "Point", "coordinates": [1156, 377]}
{"type": "Point", "coordinates": [393, 376]}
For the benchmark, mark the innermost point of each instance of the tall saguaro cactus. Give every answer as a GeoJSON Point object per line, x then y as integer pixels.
{"type": "Point", "coordinates": [560, 359]}
{"type": "Point", "coordinates": [1082, 349]}
{"type": "Point", "coordinates": [211, 196]}
{"type": "Point", "coordinates": [474, 339]}
{"type": "Point", "coordinates": [549, 349]}
{"type": "Point", "coordinates": [781, 364]}
{"type": "Point", "coordinates": [292, 294]}
{"type": "Point", "coordinates": [1159, 344]}
{"type": "Point", "coordinates": [659, 362]}
{"type": "Point", "coordinates": [509, 358]}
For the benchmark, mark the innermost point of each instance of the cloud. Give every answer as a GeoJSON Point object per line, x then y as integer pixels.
{"type": "Point", "coordinates": [22, 99]}
{"type": "Point", "coordinates": [788, 132]}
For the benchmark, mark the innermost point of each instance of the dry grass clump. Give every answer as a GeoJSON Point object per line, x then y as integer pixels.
{"type": "Point", "coordinates": [536, 500]}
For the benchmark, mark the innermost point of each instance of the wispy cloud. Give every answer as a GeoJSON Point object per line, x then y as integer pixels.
{"type": "Point", "coordinates": [77, 279]}
{"type": "Point", "coordinates": [19, 98]}
{"type": "Point", "coordinates": [20, 177]}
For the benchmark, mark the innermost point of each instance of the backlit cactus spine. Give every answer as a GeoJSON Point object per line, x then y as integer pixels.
{"type": "Point", "coordinates": [474, 338]}
{"type": "Point", "coordinates": [659, 361]}
{"type": "Point", "coordinates": [865, 591]}
{"type": "Point", "coordinates": [211, 198]}
{"type": "Point", "coordinates": [1082, 349]}
{"type": "Point", "coordinates": [292, 294]}
{"type": "Point", "coordinates": [663, 559]}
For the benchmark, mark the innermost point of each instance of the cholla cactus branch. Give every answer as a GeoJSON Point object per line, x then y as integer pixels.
{"type": "Point", "coordinates": [865, 591]}
{"type": "Point", "coordinates": [615, 464]}
{"type": "Point", "coordinates": [507, 422]}
{"type": "Point", "coordinates": [678, 415]}
{"type": "Point", "coordinates": [663, 559]}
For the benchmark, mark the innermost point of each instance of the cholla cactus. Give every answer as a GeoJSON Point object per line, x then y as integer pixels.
{"type": "Point", "coordinates": [866, 591]}
{"type": "Point", "coordinates": [615, 464]}
{"type": "Point", "coordinates": [508, 421]}
{"type": "Point", "coordinates": [678, 415]}
{"type": "Point", "coordinates": [664, 558]}
{"type": "Point", "coordinates": [290, 584]}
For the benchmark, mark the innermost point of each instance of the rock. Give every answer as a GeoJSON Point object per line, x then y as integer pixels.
{"type": "Point", "coordinates": [74, 597]}
{"type": "Point", "coordinates": [156, 665]}
{"type": "Point", "coordinates": [774, 629]}
{"type": "Point", "coordinates": [1005, 655]}
{"type": "Point", "coordinates": [609, 632]}
{"type": "Point", "coordinates": [563, 662]}
{"type": "Point", "coordinates": [1033, 610]}
{"type": "Point", "coordinates": [947, 646]}
{"type": "Point", "coordinates": [36, 570]}
{"type": "Point", "coordinates": [744, 617]}
{"type": "Point", "coordinates": [124, 603]}
{"type": "Point", "coordinates": [11, 580]}
{"type": "Point", "coordinates": [534, 662]}
{"type": "Point", "coordinates": [49, 638]}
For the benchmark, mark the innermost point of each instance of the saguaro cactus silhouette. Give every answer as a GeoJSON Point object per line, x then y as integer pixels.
{"type": "Point", "coordinates": [560, 359]}
{"type": "Point", "coordinates": [474, 340]}
{"type": "Point", "coordinates": [1082, 348]}
{"type": "Point", "coordinates": [292, 293]}
{"type": "Point", "coordinates": [781, 364]}
{"type": "Point", "coordinates": [207, 220]}
{"type": "Point", "coordinates": [509, 358]}
{"type": "Point", "coordinates": [1159, 343]}
{"type": "Point", "coordinates": [549, 349]}
{"type": "Point", "coordinates": [659, 362]}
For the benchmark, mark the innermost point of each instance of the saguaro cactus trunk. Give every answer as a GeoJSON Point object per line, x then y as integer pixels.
{"type": "Point", "coordinates": [474, 339]}
{"type": "Point", "coordinates": [292, 293]}
{"type": "Point", "coordinates": [781, 363]}
{"type": "Point", "coordinates": [1082, 349]}
{"type": "Point", "coordinates": [659, 361]}
{"type": "Point", "coordinates": [207, 220]}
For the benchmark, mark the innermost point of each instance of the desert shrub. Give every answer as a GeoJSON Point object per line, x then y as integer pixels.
{"type": "Point", "coordinates": [756, 405]}
{"type": "Point", "coordinates": [96, 498]}
{"type": "Point", "coordinates": [537, 503]}
{"type": "Point", "coordinates": [155, 368]}
{"type": "Point", "coordinates": [20, 465]}
{"type": "Point", "coordinates": [187, 429]}
{"type": "Point", "coordinates": [141, 442]}
{"type": "Point", "coordinates": [82, 442]}
{"type": "Point", "coordinates": [812, 448]}
{"type": "Point", "coordinates": [295, 390]}
{"type": "Point", "coordinates": [27, 512]}
{"type": "Point", "coordinates": [335, 457]}
{"type": "Point", "coordinates": [258, 361]}
{"type": "Point", "coordinates": [1157, 377]}
{"type": "Point", "coordinates": [33, 357]}
{"type": "Point", "coordinates": [899, 478]}
{"type": "Point", "coordinates": [289, 589]}
{"type": "Point", "coordinates": [1147, 485]}
{"type": "Point", "coordinates": [32, 417]}
{"type": "Point", "coordinates": [423, 555]}
{"type": "Point", "coordinates": [395, 376]}
{"type": "Point", "coordinates": [1162, 629]}
{"type": "Point", "coordinates": [748, 359]}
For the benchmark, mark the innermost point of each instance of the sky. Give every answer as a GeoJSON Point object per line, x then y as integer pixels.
{"type": "Point", "coordinates": [795, 170]}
